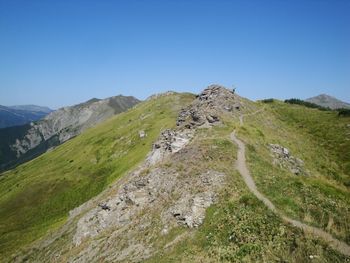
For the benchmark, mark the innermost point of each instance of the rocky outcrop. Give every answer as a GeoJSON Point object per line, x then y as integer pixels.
{"type": "Point", "coordinates": [190, 209]}
{"type": "Point", "coordinates": [58, 127]}
{"type": "Point", "coordinates": [208, 106]}
{"type": "Point", "coordinates": [170, 141]}
{"type": "Point", "coordinates": [284, 159]}
{"type": "Point", "coordinates": [154, 189]}
{"type": "Point", "coordinates": [182, 199]}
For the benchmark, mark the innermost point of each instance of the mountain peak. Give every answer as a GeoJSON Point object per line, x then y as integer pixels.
{"type": "Point", "coordinates": [326, 100]}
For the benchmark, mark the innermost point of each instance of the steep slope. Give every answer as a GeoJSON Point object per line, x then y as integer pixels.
{"type": "Point", "coordinates": [186, 202]}
{"type": "Point", "coordinates": [327, 101]}
{"type": "Point", "coordinates": [23, 143]}
{"type": "Point", "coordinates": [37, 196]}
{"type": "Point", "coordinates": [22, 114]}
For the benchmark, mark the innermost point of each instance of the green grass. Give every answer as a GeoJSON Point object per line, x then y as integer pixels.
{"type": "Point", "coordinates": [320, 139]}
{"type": "Point", "coordinates": [37, 196]}
{"type": "Point", "coordinates": [239, 228]}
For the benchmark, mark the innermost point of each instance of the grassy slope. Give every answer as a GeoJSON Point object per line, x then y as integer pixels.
{"type": "Point", "coordinates": [239, 228]}
{"type": "Point", "coordinates": [320, 139]}
{"type": "Point", "coordinates": [38, 195]}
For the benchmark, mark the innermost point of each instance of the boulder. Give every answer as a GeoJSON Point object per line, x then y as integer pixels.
{"type": "Point", "coordinates": [284, 159]}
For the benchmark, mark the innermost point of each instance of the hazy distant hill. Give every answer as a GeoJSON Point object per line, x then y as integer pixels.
{"type": "Point", "coordinates": [21, 114]}
{"type": "Point", "coordinates": [325, 100]}
{"type": "Point", "coordinates": [34, 108]}
{"type": "Point", "coordinates": [22, 143]}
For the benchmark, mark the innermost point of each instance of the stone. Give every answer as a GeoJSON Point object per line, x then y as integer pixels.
{"type": "Point", "coordinates": [170, 141]}
{"type": "Point", "coordinates": [284, 159]}
{"type": "Point", "coordinates": [142, 134]}
{"type": "Point", "coordinates": [207, 106]}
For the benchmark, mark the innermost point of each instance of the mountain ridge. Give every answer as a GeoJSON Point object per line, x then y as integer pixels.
{"type": "Point", "coordinates": [158, 183]}
{"type": "Point", "coordinates": [22, 143]}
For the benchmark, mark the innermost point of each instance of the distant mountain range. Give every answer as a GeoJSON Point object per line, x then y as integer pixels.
{"type": "Point", "coordinates": [21, 114]}
{"type": "Point", "coordinates": [327, 101]}
{"type": "Point", "coordinates": [23, 143]}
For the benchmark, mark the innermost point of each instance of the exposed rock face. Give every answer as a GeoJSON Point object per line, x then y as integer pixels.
{"type": "Point", "coordinates": [208, 106]}
{"type": "Point", "coordinates": [183, 199]}
{"type": "Point", "coordinates": [283, 158]}
{"type": "Point", "coordinates": [71, 121]}
{"type": "Point", "coordinates": [189, 210]}
{"type": "Point", "coordinates": [170, 141]}
{"type": "Point", "coordinates": [58, 127]}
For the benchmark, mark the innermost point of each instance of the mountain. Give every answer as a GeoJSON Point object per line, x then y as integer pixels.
{"type": "Point", "coordinates": [212, 177]}
{"type": "Point", "coordinates": [21, 114]}
{"type": "Point", "coordinates": [328, 102]}
{"type": "Point", "coordinates": [23, 143]}
{"type": "Point", "coordinates": [33, 108]}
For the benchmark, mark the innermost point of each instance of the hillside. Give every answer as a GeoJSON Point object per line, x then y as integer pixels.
{"type": "Point", "coordinates": [23, 143]}
{"type": "Point", "coordinates": [327, 101]}
{"type": "Point", "coordinates": [21, 114]}
{"type": "Point", "coordinates": [171, 183]}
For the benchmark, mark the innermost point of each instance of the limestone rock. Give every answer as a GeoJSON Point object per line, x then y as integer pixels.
{"type": "Point", "coordinates": [283, 158]}
{"type": "Point", "coordinates": [170, 141]}
{"type": "Point", "coordinates": [206, 108]}
{"type": "Point", "coordinates": [142, 134]}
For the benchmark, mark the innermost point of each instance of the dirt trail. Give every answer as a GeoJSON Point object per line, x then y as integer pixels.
{"type": "Point", "coordinates": [243, 170]}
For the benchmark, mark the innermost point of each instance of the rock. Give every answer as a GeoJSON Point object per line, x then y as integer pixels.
{"type": "Point", "coordinates": [104, 207]}
{"type": "Point", "coordinates": [190, 209]}
{"type": "Point", "coordinates": [212, 118]}
{"type": "Point", "coordinates": [170, 141]}
{"type": "Point", "coordinates": [142, 134]}
{"type": "Point", "coordinates": [283, 158]}
{"type": "Point", "coordinates": [285, 151]}
{"type": "Point", "coordinates": [207, 106]}
{"type": "Point", "coordinates": [190, 196]}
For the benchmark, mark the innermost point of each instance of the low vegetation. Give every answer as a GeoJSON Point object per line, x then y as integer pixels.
{"type": "Point", "coordinates": [319, 139]}
{"type": "Point", "coordinates": [306, 104]}
{"type": "Point", "coordinates": [37, 196]}
{"type": "Point", "coordinates": [239, 228]}
{"type": "Point", "coordinates": [344, 112]}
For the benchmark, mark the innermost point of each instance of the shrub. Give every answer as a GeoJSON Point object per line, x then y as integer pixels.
{"type": "Point", "coordinates": [268, 100]}
{"type": "Point", "coordinates": [306, 104]}
{"type": "Point", "coordinates": [343, 112]}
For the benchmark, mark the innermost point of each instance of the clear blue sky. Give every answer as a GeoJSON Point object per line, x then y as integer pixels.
{"type": "Point", "coordinates": [59, 53]}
